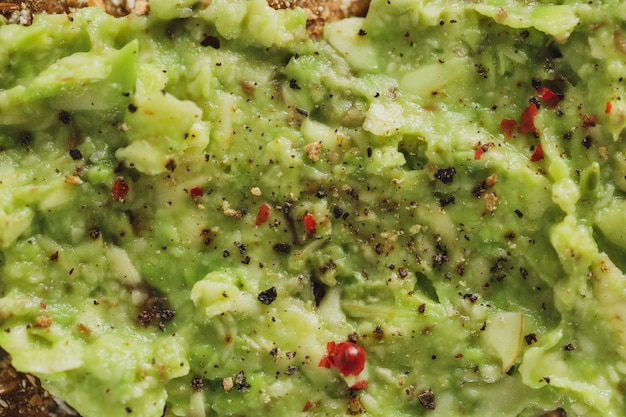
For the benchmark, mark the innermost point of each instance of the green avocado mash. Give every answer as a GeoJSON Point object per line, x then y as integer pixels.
{"type": "Point", "coordinates": [205, 212]}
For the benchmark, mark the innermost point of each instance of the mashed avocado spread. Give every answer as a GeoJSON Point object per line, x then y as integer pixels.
{"type": "Point", "coordinates": [205, 212]}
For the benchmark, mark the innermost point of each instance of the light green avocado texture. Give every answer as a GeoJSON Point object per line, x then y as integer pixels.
{"type": "Point", "coordinates": [193, 203]}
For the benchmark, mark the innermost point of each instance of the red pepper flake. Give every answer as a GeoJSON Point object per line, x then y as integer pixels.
{"type": "Point", "coordinates": [347, 357]}
{"type": "Point", "coordinates": [478, 153]}
{"type": "Point", "coordinates": [309, 223]}
{"type": "Point", "coordinates": [43, 305]}
{"type": "Point", "coordinates": [549, 97]}
{"type": "Point", "coordinates": [362, 384]}
{"type": "Point", "coordinates": [507, 126]}
{"type": "Point", "coordinates": [120, 189]}
{"type": "Point", "coordinates": [263, 214]}
{"type": "Point", "coordinates": [528, 119]}
{"type": "Point", "coordinates": [589, 121]}
{"type": "Point", "coordinates": [538, 154]}
{"type": "Point", "coordinates": [195, 192]}
{"type": "Point", "coordinates": [308, 405]}
{"type": "Point", "coordinates": [458, 356]}
{"type": "Point", "coordinates": [608, 108]}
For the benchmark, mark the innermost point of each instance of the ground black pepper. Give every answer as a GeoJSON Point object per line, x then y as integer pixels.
{"type": "Point", "coordinates": [268, 296]}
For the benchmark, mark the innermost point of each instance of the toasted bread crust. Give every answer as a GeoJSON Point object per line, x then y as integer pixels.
{"type": "Point", "coordinates": [22, 394]}
{"type": "Point", "coordinates": [321, 12]}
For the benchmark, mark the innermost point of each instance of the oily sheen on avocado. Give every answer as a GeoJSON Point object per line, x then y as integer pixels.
{"type": "Point", "coordinates": [206, 212]}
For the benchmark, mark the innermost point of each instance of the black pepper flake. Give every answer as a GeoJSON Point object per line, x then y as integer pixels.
{"type": "Point", "coordinates": [535, 101]}
{"type": "Point", "coordinates": [319, 291]}
{"type": "Point", "coordinates": [519, 213]}
{"type": "Point", "coordinates": [302, 111]}
{"type": "Point", "coordinates": [129, 410]}
{"type": "Point", "coordinates": [282, 247]}
{"type": "Point", "coordinates": [427, 399]}
{"type": "Point", "coordinates": [26, 138]}
{"type": "Point", "coordinates": [225, 253]}
{"type": "Point", "coordinates": [242, 383]}
{"type": "Point", "coordinates": [567, 135]}
{"type": "Point", "coordinates": [76, 154]}
{"type": "Point", "coordinates": [471, 297]}
{"type": "Point", "coordinates": [403, 272]}
{"type": "Point", "coordinates": [569, 347]}
{"type": "Point", "coordinates": [170, 165]}
{"type": "Point", "coordinates": [523, 272]}
{"type": "Point", "coordinates": [167, 314]}
{"type": "Point", "coordinates": [321, 193]}
{"type": "Point", "coordinates": [378, 248]}
{"type": "Point", "coordinates": [447, 200]}
{"type": "Point", "coordinates": [55, 256]}
{"type": "Point", "coordinates": [337, 212]}
{"type": "Point", "coordinates": [445, 175]}
{"type": "Point", "coordinates": [94, 233]}
{"type": "Point", "coordinates": [362, 32]}
{"type": "Point", "coordinates": [497, 265]}
{"type": "Point", "coordinates": [290, 370]}
{"type": "Point", "coordinates": [65, 117]}
{"type": "Point", "coordinates": [587, 142]}
{"type": "Point", "coordinates": [523, 35]}
{"type": "Point", "coordinates": [480, 189]}
{"type": "Point", "coordinates": [440, 257]}
{"type": "Point", "coordinates": [378, 332]}
{"type": "Point", "coordinates": [422, 308]}
{"type": "Point", "coordinates": [535, 83]}
{"type": "Point", "coordinates": [481, 70]}
{"type": "Point", "coordinates": [294, 84]}
{"type": "Point", "coordinates": [211, 41]}
{"type": "Point", "coordinates": [530, 338]}
{"type": "Point", "coordinates": [197, 384]}
{"type": "Point", "coordinates": [242, 248]}
{"type": "Point", "coordinates": [268, 296]}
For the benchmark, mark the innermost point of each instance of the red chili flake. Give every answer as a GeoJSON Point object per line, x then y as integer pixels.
{"type": "Point", "coordinates": [263, 214]}
{"type": "Point", "coordinates": [347, 357]}
{"type": "Point", "coordinates": [458, 356]}
{"type": "Point", "coordinates": [307, 405]}
{"type": "Point", "coordinates": [538, 154]}
{"type": "Point", "coordinates": [478, 153]}
{"type": "Point", "coordinates": [528, 120]}
{"type": "Point", "coordinates": [309, 223]}
{"type": "Point", "coordinates": [507, 125]}
{"type": "Point", "coordinates": [608, 108]}
{"type": "Point", "coordinates": [589, 121]}
{"type": "Point", "coordinates": [119, 189]}
{"type": "Point", "coordinates": [549, 97]}
{"type": "Point", "coordinates": [43, 305]}
{"type": "Point", "coordinates": [195, 192]}
{"type": "Point", "coordinates": [362, 384]}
